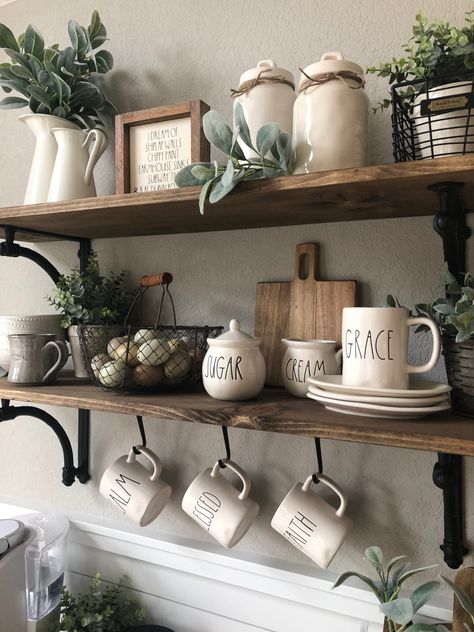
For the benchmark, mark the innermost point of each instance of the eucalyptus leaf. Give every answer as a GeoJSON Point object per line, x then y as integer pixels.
{"type": "Point", "coordinates": [421, 595]}
{"type": "Point", "coordinates": [366, 580]}
{"type": "Point", "coordinates": [284, 150]}
{"type": "Point", "coordinates": [240, 121]}
{"type": "Point", "coordinates": [205, 192]}
{"type": "Point", "coordinates": [21, 71]}
{"type": "Point", "coordinates": [399, 611]}
{"type": "Point", "coordinates": [375, 556]}
{"type": "Point", "coordinates": [462, 596]}
{"type": "Point", "coordinates": [7, 39]}
{"type": "Point", "coordinates": [104, 61]}
{"type": "Point", "coordinates": [185, 177]}
{"type": "Point", "coordinates": [202, 173]}
{"type": "Point", "coordinates": [413, 572]}
{"type": "Point", "coordinates": [17, 57]}
{"type": "Point", "coordinates": [217, 132]}
{"type": "Point", "coordinates": [228, 174]}
{"type": "Point", "coordinates": [40, 95]}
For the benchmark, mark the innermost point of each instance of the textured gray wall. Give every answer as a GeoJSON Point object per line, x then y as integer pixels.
{"type": "Point", "coordinates": [167, 52]}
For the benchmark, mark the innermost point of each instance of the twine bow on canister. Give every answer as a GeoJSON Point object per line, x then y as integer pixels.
{"type": "Point", "coordinates": [342, 75]}
{"type": "Point", "coordinates": [259, 79]}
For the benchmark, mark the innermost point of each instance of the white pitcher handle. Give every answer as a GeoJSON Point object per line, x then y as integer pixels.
{"type": "Point", "coordinates": [100, 145]}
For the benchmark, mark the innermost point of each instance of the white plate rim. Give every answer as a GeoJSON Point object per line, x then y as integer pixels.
{"type": "Point", "coordinates": [379, 408]}
{"type": "Point", "coordinates": [334, 383]}
{"type": "Point", "coordinates": [387, 401]}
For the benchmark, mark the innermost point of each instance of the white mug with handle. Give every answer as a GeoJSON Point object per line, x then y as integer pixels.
{"type": "Point", "coordinates": [375, 346]}
{"type": "Point", "coordinates": [136, 491]}
{"type": "Point", "coordinates": [311, 524]}
{"type": "Point", "coordinates": [222, 510]}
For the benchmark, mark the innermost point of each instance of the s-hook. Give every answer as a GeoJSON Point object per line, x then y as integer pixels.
{"type": "Point", "coordinates": [319, 459]}
{"type": "Point", "coordinates": [225, 433]}
{"type": "Point", "coordinates": [141, 427]}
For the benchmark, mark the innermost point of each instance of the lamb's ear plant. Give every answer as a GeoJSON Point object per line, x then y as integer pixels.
{"type": "Point", "coordinates": [454, 313]}
{"type": "Point", "coordinates": [386, 586]}
{"type": "Point", "coordinates": [465, 601]}
{"type": "Point", "coordinates": [434, 50]}
{"type": "Point", "coordinates": [66, 83]}
{"type": "Point", "coordinates": [218, 180]}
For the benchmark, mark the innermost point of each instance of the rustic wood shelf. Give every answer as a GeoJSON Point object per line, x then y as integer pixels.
{"type": "Point", "coordinates": [273, 411]}
{"type": "Point", "coordinates": [383, 191]}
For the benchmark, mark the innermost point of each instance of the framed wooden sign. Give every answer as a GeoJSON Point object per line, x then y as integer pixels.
{"type": "Point", "coordinates": [151, 146]}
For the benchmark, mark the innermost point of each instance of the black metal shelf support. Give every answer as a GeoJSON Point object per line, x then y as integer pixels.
{"type": "Point", "coordinates": [8, 248]}
{"type": "Point", "coordinates": [450, 224]}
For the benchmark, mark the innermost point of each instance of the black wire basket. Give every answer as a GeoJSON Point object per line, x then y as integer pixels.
{"type": "Point", "coordinates": [145, 358]}
{"type": "Point", "coordinates": [433, 118]}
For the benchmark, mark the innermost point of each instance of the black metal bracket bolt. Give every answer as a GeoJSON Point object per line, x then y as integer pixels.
{"type": "Point", "coordinates": [450, 224]}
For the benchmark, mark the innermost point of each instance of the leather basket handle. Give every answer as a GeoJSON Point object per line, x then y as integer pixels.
{"type": "Point", "coordinates": [150, 280]}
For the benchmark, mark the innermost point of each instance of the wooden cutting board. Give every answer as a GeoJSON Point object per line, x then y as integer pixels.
{"type": "Point", "coordinates": [301, 308]}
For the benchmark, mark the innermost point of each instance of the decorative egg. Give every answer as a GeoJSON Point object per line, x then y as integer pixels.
{"type": "Point", "coordinates": [127, 352]}
{"type": "Point", "coordinates": [177, 344]}
{"type": "Point", "coordinates": [178, 365]}
{"type": "Point", "coordinates": [113, 344]}
{"type": "Point", "coordinates": [147, 376]}
{"type": "Point", "coordinates": [189, 341]}
{"type": "Point", "coordinates": [145, 335]}
{"type": "Point", "coordinates": [198, 356]}
{"type": "Point", "coordinates": [112, 373]}
{"type": "Point", "coordinates": [154, 352]}
{"type": "Point", "coordinates": [98, 362]}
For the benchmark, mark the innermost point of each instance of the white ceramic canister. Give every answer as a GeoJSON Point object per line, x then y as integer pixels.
{"type": "Point", "coordinates": [308, 358]}
{"type": "Point", "coordinates": [266, 94]}
{"type": "Point", "coordinates": [330, 116]}
{"type": "Point", "coordinates": [233, 367]}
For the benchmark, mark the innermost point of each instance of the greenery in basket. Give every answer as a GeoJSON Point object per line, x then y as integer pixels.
{"type": "Point", "coordinates": [66, 83]}
{"type": "Point", "coordinates": [99, 609]}
{"type": "Point", "coordinates": [434, 50]}
{"type": "Point", "coordinates": [386, 586]}
{"type": "Point", "coordinates": [218, 180]}
{"type": "Point", "coordinates": [455, 312]}
{"type": "Point", "coordinates": [90, 298]}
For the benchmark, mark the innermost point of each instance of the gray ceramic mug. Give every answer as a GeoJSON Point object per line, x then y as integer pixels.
{"type": "Point", "coordinates": [35, 358]}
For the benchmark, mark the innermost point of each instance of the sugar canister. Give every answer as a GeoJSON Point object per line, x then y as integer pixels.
{"type": "Point", "coordinates": [266, 94]}
{"type": "Point", "coordinates": [233, 367]}
{"type": "Point", "coordinates": [330, 116]}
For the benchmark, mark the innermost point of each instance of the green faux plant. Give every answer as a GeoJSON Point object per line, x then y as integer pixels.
{"type": "Point", "coordinates": [90, 298]}
{"type": "Point", "coordinates": [386, 586]}
{"type": "Point", "coordinates": [455, 312]}
{"type": "Point", "coordinates": [66, 83]}
{"type": "Point", "coordinates": [465, 601]}
{"type": "Point", "coordinates": [218, 180]}
{"type": "Point", "coordinates": [434, 50]}
{"type": "Point", "coordinates": [99, 609]}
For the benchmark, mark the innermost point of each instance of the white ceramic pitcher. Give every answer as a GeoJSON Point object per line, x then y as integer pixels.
{"type": "Point", "coordinates": [45, 154]}
{"type": "Point", "coordinates": [72, 174]}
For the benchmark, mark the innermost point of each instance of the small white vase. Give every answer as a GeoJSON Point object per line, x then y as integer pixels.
{"type": "Point", "coordinates": [77, 359]}
{"type": "Point", "coordinates": [72, 174]}
{"type": "Point", "coordinates": [44, 155]}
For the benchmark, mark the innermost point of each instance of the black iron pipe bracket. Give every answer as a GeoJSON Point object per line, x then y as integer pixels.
{"type": "Point", "coordinates": [448, 476]}
{"type": "Point", "coordinates": [69, 472]}
{"type": "Point", "coordinates": [450, 224]}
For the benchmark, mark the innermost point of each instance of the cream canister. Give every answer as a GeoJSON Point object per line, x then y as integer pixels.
{"type": "Point", "coordinates": [266, 94]}
{"type": "Point", "coordinates": [233, 367]}
{"type": "Point", "coordinates": [330, 116]}
{"type": "Point", "coordinates": [308, 358]}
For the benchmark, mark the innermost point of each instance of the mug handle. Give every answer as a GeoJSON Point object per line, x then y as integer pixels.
{"type": "Point", "coordinates": [63, 354]}
{"type": "Point", "coordinates": [421, 320]}
{"type": "Point", "coordinates": [339, 357]}
{"type": "Point", "coordinates": [151, 456]}
{"type": "Point", "coordinates": [100, 145]}
{"type": "Point", "coordinates": [332, 485]}
{"type": "Point", "coordinates": [237, 470]}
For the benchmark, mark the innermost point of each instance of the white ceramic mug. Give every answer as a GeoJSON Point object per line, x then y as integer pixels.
{"type": "Point", "coordinates": [311, 524]}
{"type": "Point", "coordinates": [220, 508]}
{"type": "Point", "coordinates": [375, 346]}
{"type": "Point", "coordinates": [308, 358]}
{"type": "Point", "coordinates": [140, 494]}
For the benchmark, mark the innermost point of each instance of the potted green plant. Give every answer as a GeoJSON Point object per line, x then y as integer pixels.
{"type": "Point", "coordinates": [454, 313]}
{"type": "Point", "coordinates": [386, 586]}
{"type": "Point", "coordinates": [218, 180]}
{"type": "Point", "coordinates": [436, 59]}
{"type": "Point", "coordinates": [90, 298]}
{"type": "Point", "coordinates": [465, 600]}
{"type": "Point", "coordinates": [63, 88]}
{"type": "Point", "coordinates": [99, 609]}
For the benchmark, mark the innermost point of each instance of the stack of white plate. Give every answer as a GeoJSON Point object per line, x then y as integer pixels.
{"type": "Point", "coordinates": [422, 398]}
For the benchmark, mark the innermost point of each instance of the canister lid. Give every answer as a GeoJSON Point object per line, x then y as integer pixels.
{"type": "Point", "coordinates": [234, 335]}
{"type": "Point", "coordinates": [268, 68]}
{"type": "Point", "coordinates": [330, 63]}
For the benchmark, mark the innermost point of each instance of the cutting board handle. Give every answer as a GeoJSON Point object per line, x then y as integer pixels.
{"type": "Point", "coordinates": [306, 263]}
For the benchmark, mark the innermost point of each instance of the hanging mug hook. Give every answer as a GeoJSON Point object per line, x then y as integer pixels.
{"type": "Point", "coordinates": [141, 427]}
{"type": "Point", "coordinates": [225, 433]}
{"type": "Point", "coordinates": [319, 459]}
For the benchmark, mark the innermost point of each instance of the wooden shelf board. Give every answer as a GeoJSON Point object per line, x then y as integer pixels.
{"type": "Point", "coordinates": [273, 411]}
{"type": "Point", "coordinates": [383, 191]}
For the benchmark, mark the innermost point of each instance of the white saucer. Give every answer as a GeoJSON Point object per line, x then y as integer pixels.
{"type": "Point", "coordinates": [418, 388]}
{"type": "Point", "coordinates": [405, 402]}
{"type": "Point", "coordinates": [372, 410]}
